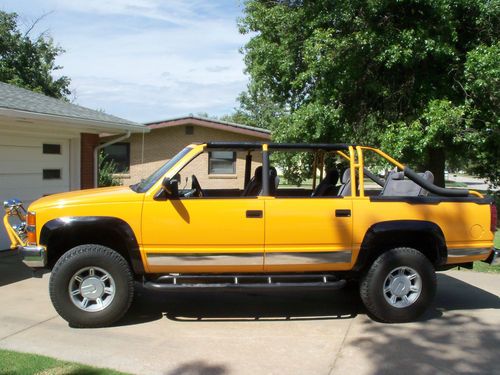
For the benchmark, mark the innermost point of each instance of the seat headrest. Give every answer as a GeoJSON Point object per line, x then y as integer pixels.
{"type": "Point", "coordinates": [397, 175]}
{"type": "Point", "coordinates": [346, 176]}
{"type": "Point", "coordinates": [258, 172]}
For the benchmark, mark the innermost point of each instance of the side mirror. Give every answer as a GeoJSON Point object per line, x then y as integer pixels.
{"type": "Point", "coordinates": [171, 187]}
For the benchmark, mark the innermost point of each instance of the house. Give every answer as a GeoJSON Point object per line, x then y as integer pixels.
{"type": "Point", "coordinates": [142, 154]}
{"type": "Point", "coordinates": [49, 145]}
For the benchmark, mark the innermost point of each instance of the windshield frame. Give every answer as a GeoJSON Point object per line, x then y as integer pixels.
{"type": "Point", "coordinates": [149, 182]}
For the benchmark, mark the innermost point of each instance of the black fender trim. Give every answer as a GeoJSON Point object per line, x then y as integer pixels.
{"type": "Point", "coordinates": [100, 227]}
{"type": "Point", "coordinates": [391, 231]}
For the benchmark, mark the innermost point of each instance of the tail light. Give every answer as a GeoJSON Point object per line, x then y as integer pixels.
{"type": "Point", "coordinates": [494, 218]}
{"type": "Point", "coordinates": [31, 227]}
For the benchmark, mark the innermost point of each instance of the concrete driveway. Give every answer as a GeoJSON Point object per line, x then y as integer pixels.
{"type": "Point", "coordinates": [307, 332]}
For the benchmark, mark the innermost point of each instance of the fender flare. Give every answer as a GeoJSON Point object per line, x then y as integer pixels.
{"type": "Point", "coordinates": [393, 230]}
{"type": "Point", "coordinates": [100, 226]}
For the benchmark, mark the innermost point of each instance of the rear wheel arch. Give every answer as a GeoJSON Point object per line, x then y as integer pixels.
{"type": "Point", "coordinates": [424, 236]}
{"type": "Point", "coordinates": [62, 234]}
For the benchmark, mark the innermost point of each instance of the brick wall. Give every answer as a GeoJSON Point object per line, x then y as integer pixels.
{"type": "Point", "coordinates": [88, 143]}
{"type": "Point", "coordinates": [160, 145]}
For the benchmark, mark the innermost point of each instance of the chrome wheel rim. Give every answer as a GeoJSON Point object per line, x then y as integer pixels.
{"type": "Point", "coordinates": [402, 287]}
{"type": "Point", "coordinates": [92, 289]}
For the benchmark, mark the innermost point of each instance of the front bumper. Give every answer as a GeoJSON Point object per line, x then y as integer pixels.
{"type": "Point", "coordinates": [494, 257]}
{"type": "Point", "coordinates": [34, 256]}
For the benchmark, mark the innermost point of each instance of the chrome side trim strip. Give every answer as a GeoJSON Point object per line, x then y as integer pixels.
{"type": "Point", "coordinates": [205, 259]}
{"type": "Point", "coordinates": [465, 252]}
{"type": "Point", "coordinates": [313, 257]}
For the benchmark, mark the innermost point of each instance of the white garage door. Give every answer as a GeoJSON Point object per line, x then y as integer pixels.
{"type": "Point", "coordinates": [31, 168]}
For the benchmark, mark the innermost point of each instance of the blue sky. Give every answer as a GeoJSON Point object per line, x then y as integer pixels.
{"type": "Point", "coordinates": [146, 60]}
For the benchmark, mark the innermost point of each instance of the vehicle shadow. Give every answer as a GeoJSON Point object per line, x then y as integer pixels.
{"type": "Point", "coordinates": [244, 305]}
{"type": "Point", "coordinates": [12, 269]}
{"type": "Point", "coordinates": [453, 340]}
{"type": "Point", "coordinates": [278, 305]}
{"type": "Point", "coordinates": [199, 368]}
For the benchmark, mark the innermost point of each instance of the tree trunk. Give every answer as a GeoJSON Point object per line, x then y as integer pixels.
{"type": "Point", "coordinates": [435, 163]}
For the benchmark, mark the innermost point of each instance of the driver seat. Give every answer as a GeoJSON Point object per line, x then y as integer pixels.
{"type": "Point", "coordinates": [345, 187]}
{"type": "Point", "coordinates": [327, 186]}
{"type": "Point", "coordinates": [254, 186]}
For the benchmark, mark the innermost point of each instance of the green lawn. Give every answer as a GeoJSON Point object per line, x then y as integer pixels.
{"type": "Point", "coordinates": [455, 184]}
{"type": "Point", "coordinates": [15, 363]}
{"type": "Point", "coordinates": [485, 267]}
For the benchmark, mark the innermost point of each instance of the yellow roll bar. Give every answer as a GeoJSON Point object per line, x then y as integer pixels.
{"type": "Point", "coordinates": [356, 160]}
{"type": "Point", "coordinates": [14, 238]}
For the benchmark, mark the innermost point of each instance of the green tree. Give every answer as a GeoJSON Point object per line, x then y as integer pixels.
{"type": "Point", "coordinates": [410, 76]}
{"type": "Point", "coordinates": [482, 85]}
{"type": "Point", "coordinates": [29, 62]}
{"type": "Point", "coordinates": [256, 109]}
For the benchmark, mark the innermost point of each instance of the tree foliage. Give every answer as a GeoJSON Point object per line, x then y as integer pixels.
{"type": "Point", "coordinates": [29, 62]}
{"type": "Point", "coordinates": [107, 171]}
{"type": "Point", "coordinates": [256, 109]}
{"type": "Point", "coordinates": [417, 77]}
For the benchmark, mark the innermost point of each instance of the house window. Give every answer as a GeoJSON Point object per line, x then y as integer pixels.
{"type": "Point", "coordinates": [51, 174]}
{"type": "Point", "coordinates": [222, 162]}
{"type": "Point", "coordinates": [120, 154]}
{"type": "Point", "coordinates": [189, 129]}
{"type": "Point", "coordinates": [53, 149]}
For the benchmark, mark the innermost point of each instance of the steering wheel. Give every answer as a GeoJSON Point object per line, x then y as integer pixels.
{"type": "Point", "coordinates": [195, 185]}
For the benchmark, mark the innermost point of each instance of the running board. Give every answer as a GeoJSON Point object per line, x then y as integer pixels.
{"type": "Point", "coordinates": [174, 281]}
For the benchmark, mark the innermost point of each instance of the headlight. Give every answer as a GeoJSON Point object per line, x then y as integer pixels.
{"type": "Point", "coordinates": [12, 204]}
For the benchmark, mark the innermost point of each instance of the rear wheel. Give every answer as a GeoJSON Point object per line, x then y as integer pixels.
{"type": "Point", "coordinates": [91, 286]}
{"type": "Point", "coordinates": [399, 286]}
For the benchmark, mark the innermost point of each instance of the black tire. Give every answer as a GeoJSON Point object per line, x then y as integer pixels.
{"type": "Point", "coordinates": [102, 258]}
{"type": "Point", "coordinates": [373, 283]}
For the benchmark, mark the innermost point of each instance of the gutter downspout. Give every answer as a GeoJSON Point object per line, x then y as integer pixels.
{"type": "Point", "coordinates": [99, 148]}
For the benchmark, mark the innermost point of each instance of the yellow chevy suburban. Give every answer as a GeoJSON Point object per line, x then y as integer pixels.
{"type": "Point", "coordinates": [351, 218]}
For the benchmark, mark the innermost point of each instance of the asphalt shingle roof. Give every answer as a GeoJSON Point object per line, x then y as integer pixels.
{"type": "Point", "coordinates": [16, 98]}
{"type": "Point", "coordinates": [205, 119]}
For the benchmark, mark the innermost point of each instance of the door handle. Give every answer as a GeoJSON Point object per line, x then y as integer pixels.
{"type": "Point", "coordinates": [254, 214]}
{"type": "Point", "coordinates": [343, 213]}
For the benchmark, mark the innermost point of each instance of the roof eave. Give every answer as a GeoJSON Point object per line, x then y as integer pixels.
{"type": "Point", "coordinates": [212, 124]}
{"type": "Point", "coordinates": [98, 126]}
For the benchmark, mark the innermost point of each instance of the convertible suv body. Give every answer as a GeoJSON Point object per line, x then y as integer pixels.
{"type": "Point", "coordinates": [303, 215]}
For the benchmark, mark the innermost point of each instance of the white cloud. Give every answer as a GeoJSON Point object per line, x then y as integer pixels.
{"type": "Point", "coordinates": [145, 102]}
{"type": "Point", "coordinates": [175, 11]}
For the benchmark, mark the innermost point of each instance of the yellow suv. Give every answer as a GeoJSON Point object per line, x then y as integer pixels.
{"type": "Point", "coordinates": [256, 215]}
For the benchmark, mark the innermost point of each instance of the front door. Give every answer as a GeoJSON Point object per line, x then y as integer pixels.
{"type": "Point", "coordinates": [308, 234]}
{"type": "Point", "coordinates": [203, 234]}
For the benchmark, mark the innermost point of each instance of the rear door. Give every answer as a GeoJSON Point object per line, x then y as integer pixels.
{"type": "Point", "coordinates": [308, 234]}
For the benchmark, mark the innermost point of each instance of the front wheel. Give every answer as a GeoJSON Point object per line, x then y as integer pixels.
{"type": "Point", "coordinates": [91, 286]}
{"type": "Point", "coordinates": [399, 286]}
